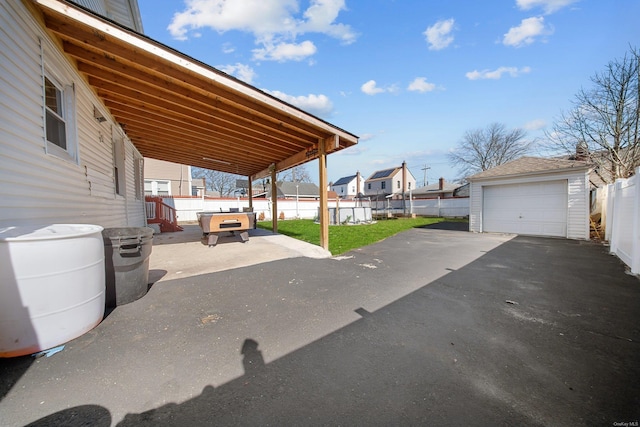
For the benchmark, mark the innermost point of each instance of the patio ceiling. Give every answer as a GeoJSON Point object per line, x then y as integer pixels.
{"type": "Point", "coordinates": [178, 109]}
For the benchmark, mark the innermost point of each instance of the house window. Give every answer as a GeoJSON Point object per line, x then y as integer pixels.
{"type": "Point", "coordinates": [383, 185]}
{"type": "Point", "coordinates": [55, 123]}
{"type": "Point", "coordinates": [353, 189]}
{"type": "Point", "coordinates": [59, 123]}
{"type": "Point", "coordinates": [409, 185]}
{"type": "Point", "coordinates": [157, 188]}
{"type": "Point", "coordinates": [369, 186]}
{"type": "Point", "coordinates": [398, 185]}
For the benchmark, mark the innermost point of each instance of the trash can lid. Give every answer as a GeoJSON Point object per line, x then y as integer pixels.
{"type": "Point", "coordinates": [47, 231]}
{"type": "Point", "coordinates": [127, 232]}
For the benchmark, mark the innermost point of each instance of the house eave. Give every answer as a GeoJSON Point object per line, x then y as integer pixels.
{"type": "Point", "coordinates": [559, 171]}
{"type": "Point", "coordinates": [178, 109]}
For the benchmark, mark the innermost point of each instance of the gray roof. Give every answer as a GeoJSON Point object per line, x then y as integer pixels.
{"type": "Point", "coordinates": [448, 187]}
{"type": "Point", "coordinates": [345, 180]}
{"type": "Point", "coordinates": [382, 174]}
{"type": "Point", "coordinates": [531, 166]}
{"type": "Point", "coordinates": [305, 189]}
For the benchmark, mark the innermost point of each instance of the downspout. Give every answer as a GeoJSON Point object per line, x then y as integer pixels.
{"type": "Point", "coordinates": [404, 186]}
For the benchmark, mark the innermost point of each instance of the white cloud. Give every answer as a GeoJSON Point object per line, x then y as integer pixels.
{"type": "Point", "coordinates": [228, 48]}
{"type": "Point", "coordinates": [526, 32]}
{"type": "Point", "coordinates": [366, 136]}
{"type": "Point", "coordinates": [241, 71]}
{"type": "Point", "coordinates": [497, 73]}
{"type": "Point", "coordinates": [354, 150]}
{"type": "Point", "coordinates": [320, 17]}
{"type": "Point", "coordinates": [420, 84]}
{"type": "Point", "coordinates": [370, 88]}
{"type": "Point", "coordinates": [549, 6]}
{"type": "Point", "coordinates": [275, 24]}
{"type": "Point", "coordinates": [285, 51]}
{"type": "Point", "coordinates": [318, 105]}
{"type": "Point", "coordinates": [439, 34]}
{"type": "Point", "coordinates": [536, 124]}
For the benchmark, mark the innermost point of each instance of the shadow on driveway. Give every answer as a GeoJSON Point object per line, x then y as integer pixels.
{"type": "Point", "coordinates": [534, 332]}
{"type": "Point", "coordinates": [449, 225]}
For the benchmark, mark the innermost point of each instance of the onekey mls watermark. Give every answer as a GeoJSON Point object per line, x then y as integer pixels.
{"type": "Point", "coordinates": [626, 423]}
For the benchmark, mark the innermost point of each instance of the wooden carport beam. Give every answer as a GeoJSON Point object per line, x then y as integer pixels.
{"type": "Point", "coordinates": [274, 200]}
{"type": "Point", "coordinates": [330, 144]}
{"type": "Point", "coordinates": [322, 184]}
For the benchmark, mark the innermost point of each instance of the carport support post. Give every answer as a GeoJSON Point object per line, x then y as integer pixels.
{"type": "Point", "coordinates": [250, 190]}
{"type": "Point", "coordinates": [274, 201]}
{"type": "Point", "coordinates": [324, 205]}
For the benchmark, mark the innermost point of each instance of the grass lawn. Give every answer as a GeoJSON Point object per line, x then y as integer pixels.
{"type": "Point", "coordinates": [343, 238]}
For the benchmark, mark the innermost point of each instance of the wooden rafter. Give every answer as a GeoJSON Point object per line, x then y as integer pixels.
{"type": "Point", "coordinates": [178, 109]}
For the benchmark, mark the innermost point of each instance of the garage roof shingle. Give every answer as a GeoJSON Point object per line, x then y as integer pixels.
{"type": "Point", "coordinates": [530, 166]}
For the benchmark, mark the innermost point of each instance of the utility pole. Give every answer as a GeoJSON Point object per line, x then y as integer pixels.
{"type": "Point", "coordinates": [425, 169]}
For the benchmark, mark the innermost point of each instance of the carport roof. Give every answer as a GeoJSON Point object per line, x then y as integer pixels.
{"type": "Point", "coordinates": [178, 109]}
{"type": "Point", "coordinates": [531, 166]}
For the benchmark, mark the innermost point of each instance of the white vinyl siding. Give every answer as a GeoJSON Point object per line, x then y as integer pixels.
{"type": "Point", "coordinates": [579, 207]}
{"type": "Point", "coordinates": [36, 187]}
{"type": "Point", "coordinates": [121, 11]}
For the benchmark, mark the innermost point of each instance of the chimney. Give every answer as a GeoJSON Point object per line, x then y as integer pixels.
{"type": "Point", "coordinates": [582, 151]}
{"type": "Point", "coordinates": [441, 184]}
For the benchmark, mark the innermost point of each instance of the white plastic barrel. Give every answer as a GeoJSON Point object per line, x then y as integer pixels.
{"type": "Point", "coordinates": [52, 285]}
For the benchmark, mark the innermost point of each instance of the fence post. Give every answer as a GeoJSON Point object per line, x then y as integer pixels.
{"type": "Point", "coordinates": [608, 230]}
{"type": "Point", "coordinates": [635, 251]}
{"type": "Point", "coordinates": [615, 220]}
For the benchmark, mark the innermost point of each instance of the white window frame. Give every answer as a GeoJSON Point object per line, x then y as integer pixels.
{"type": "Point", "coordinates": [68, 117]}
{"type": "Point", "coordinates": [155, 184]}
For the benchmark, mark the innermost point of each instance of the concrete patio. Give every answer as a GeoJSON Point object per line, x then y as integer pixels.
{"type": "Point", "coordinates": [429, 327]}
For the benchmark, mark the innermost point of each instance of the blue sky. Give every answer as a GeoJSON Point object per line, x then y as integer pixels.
{"type": "Point", "coordinates": [408, 77]}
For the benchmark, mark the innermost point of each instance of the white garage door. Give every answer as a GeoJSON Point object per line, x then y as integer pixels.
{"type": "Point", "coordinates": [538, 209]}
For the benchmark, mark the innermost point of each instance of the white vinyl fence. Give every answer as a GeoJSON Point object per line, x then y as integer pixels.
{"type": "Point", "coordinates": [623, 220]}
{"type": "Point", "coordinates": [447, 208]}
{"type": "Point", "coordinates": [287, 209]}
{"type": "Point", "coordinates": [308, 209]}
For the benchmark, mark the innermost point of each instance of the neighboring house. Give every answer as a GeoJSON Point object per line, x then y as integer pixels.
{"type": "Point", "coordinates": [442, 189]}
{"type": "Point", "coordinates": [198, 187]}
{"type": "Point", "coordinates": [462, 191]}
{"type": "Point", "coordinates": [349, 187]}
{"type": "Point", "coordinates": [532, 196]}
{"type": "Point", "coordinates": [64, 158]}
{"type": "Point", "coordinates": [394, 181]}
{"type": "Point", "coordinates": [289, 190]}
{"type": "Point", "coordinates": [167, 179]}
{"type": "Point", "coordinates": [299, 190]}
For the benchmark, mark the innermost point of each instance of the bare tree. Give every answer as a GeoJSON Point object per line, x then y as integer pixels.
{"type": "Point", "coordinates": [222, 182]}
{"type": "Point", "coordinates": [482, 149]}
{"type": "Point", "coordinates": [603, 125]}
{"type": "Point", "coordinates": [295, 174]}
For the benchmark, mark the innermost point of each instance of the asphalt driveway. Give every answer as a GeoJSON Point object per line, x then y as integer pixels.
{"type": "Point", "coordinates": [430, 327]}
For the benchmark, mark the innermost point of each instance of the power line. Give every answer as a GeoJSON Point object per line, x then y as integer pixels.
{"type": "Point", "coordinates": [425, 169]}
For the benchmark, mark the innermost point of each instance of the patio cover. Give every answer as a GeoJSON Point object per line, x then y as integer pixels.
{"type": "Point", "coordinates": [178, 109]}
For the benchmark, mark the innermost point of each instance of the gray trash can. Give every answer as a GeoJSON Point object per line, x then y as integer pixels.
{"type": "Point", "coordinates": [126, 252]}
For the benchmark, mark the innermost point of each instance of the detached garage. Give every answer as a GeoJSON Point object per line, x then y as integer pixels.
{"type": "Point", "coordinates": [532, 196]}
